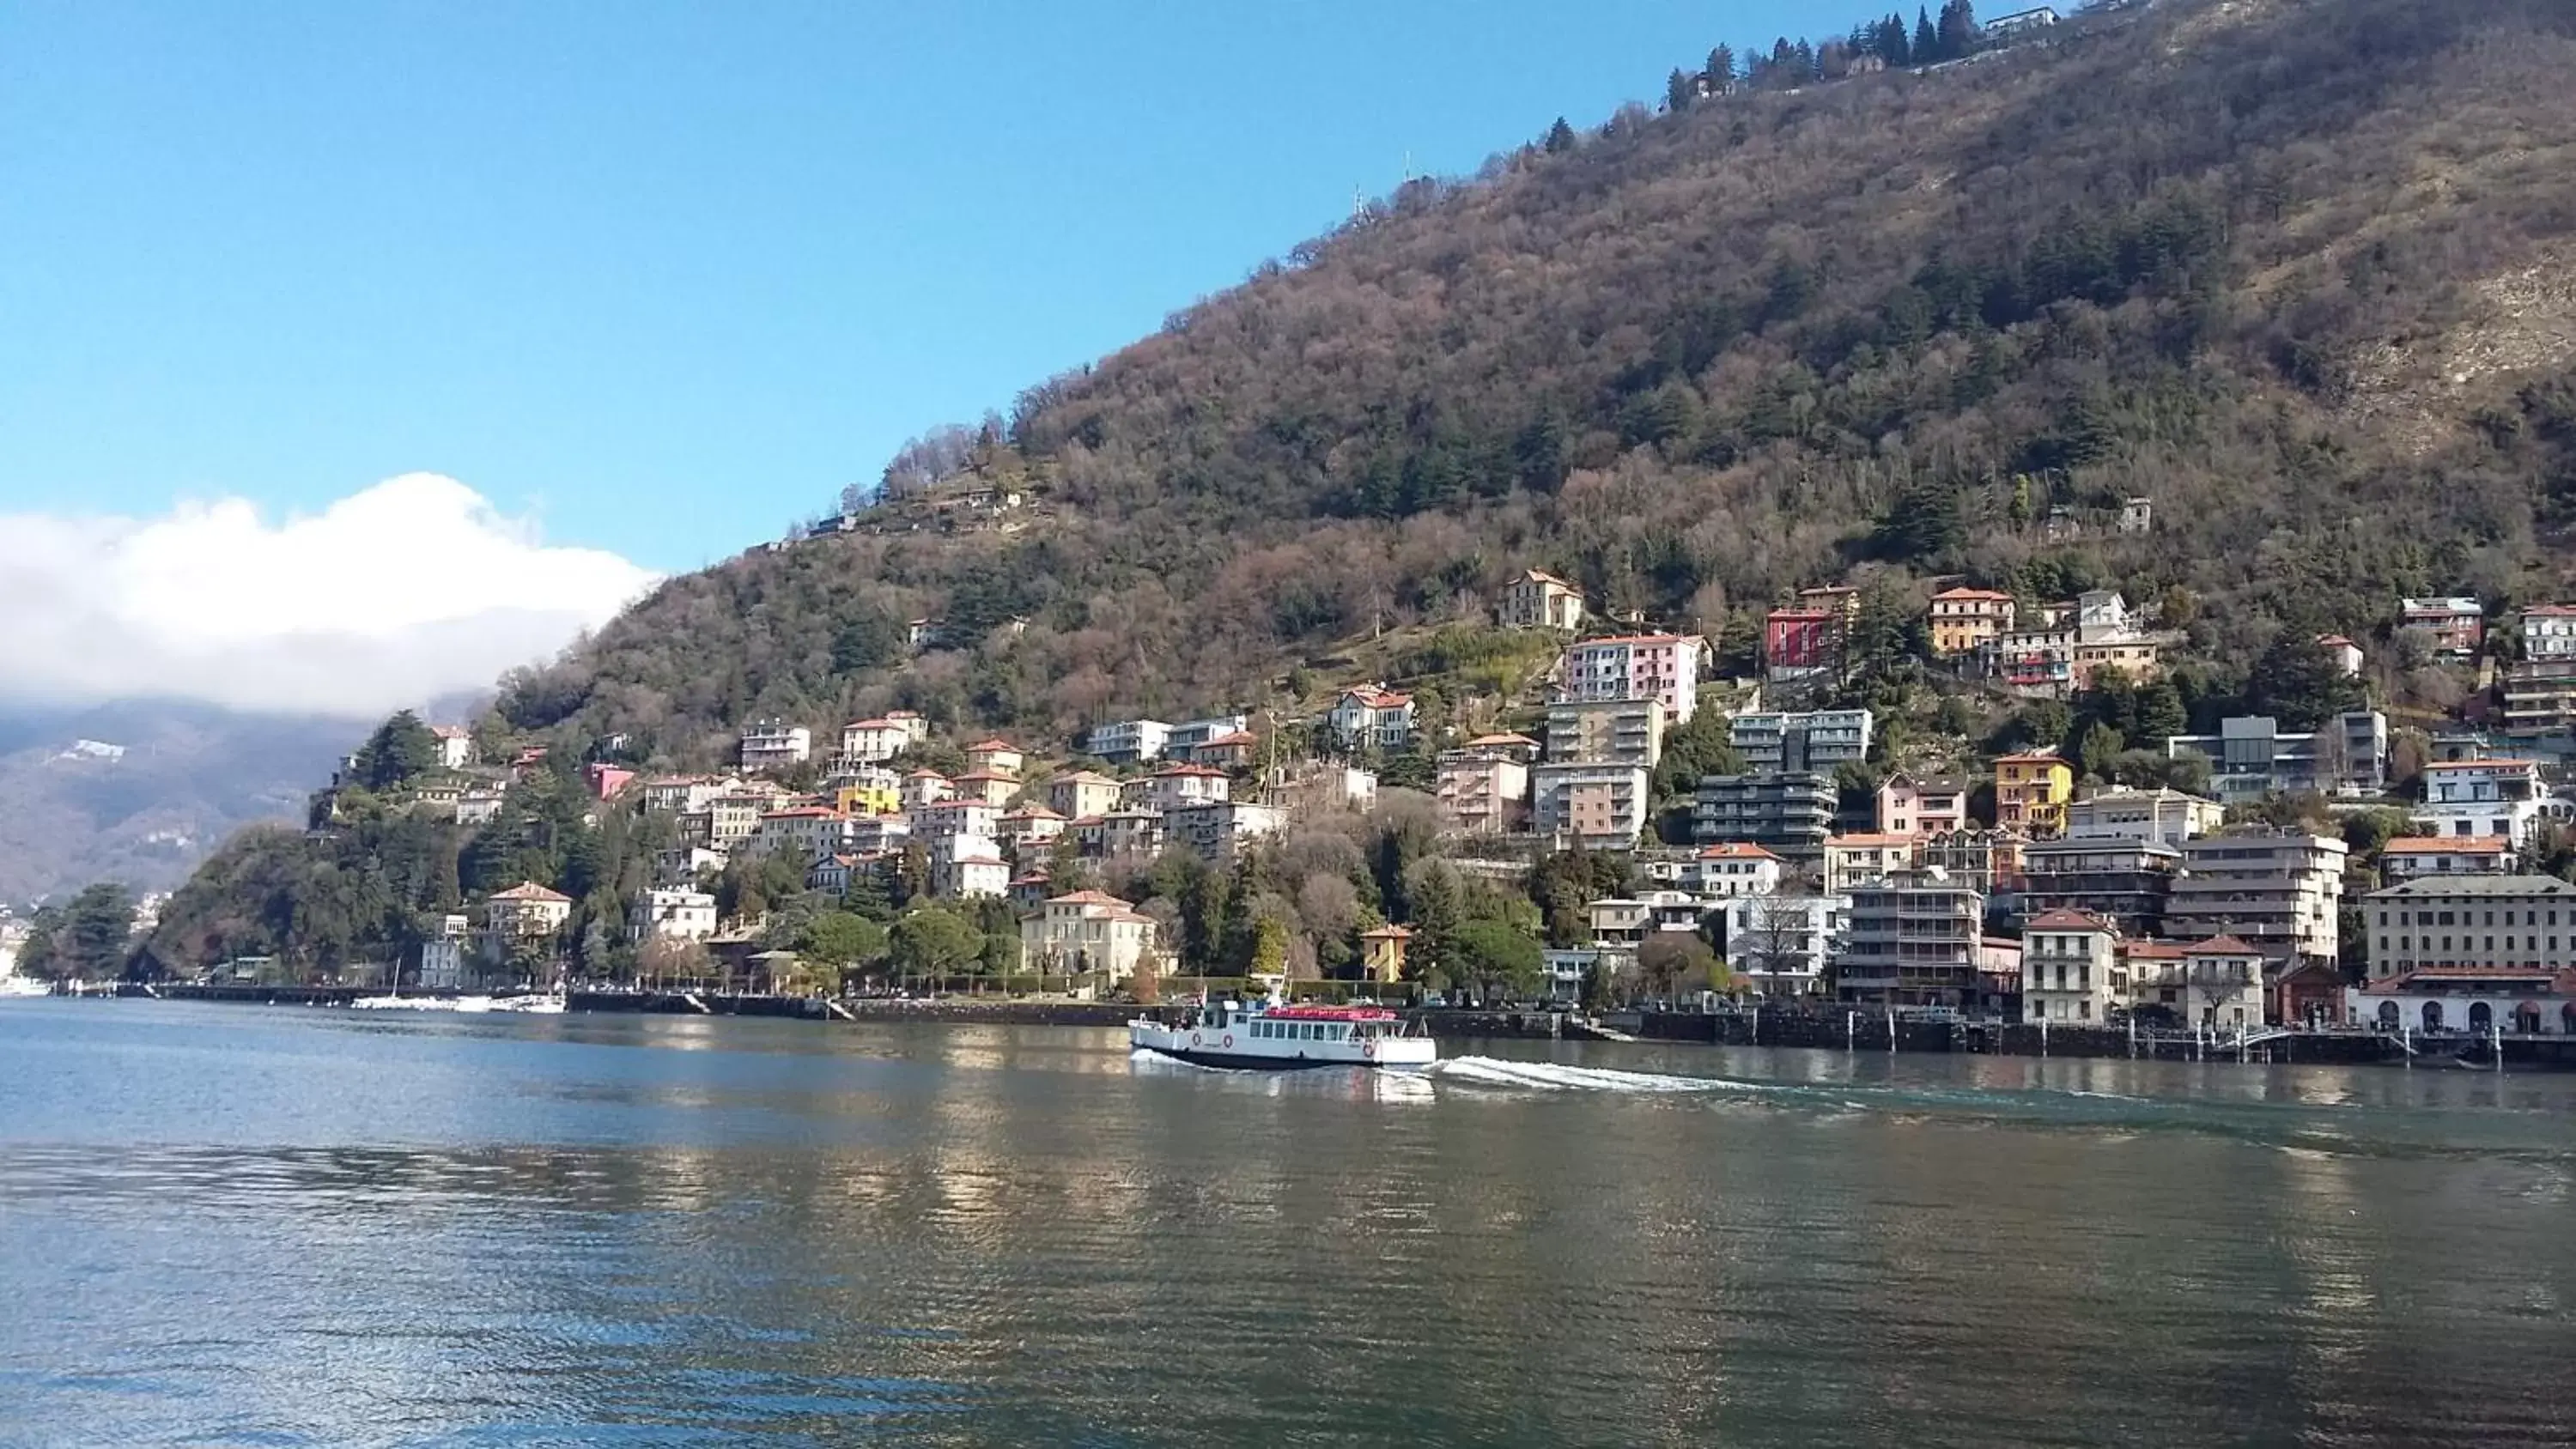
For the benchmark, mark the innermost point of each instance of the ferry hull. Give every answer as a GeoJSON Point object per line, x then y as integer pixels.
{"type": "Point", "coordinates": [1218, 1048]}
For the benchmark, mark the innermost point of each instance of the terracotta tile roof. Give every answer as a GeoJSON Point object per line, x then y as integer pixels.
{"type": "Point", "coordinates": [1962, 595]}
{"type": "Point", "coordinates": [2221, 946]}
{"type": "Point", "coordinates": [1736, 850]}
{"type": "Point", "coordinates": [2063, 919]}
{"type": "Point", "coordinates": [2446, 845]}
{"type": "Point", "coordinates": [529, 890]}
{"type": "Point", "coordinates": [994, 744]}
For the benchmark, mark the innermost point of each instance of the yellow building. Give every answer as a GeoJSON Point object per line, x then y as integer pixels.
{"type": "Point", "coordinates": [1962, 619]}
{"type": "Point", "coordinates": [2031, 793]}
{"type": "Point", "coordinates": [1382, 951]}
{"type": "Point", "coordinates": [870, 797]}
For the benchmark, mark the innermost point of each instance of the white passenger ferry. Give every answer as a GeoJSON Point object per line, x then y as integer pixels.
{"type": "Point", "coordinates": [1231, 1034]}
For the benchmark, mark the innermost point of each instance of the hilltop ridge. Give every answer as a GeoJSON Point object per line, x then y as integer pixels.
{"type": "Point", "coordinates": [2284, 268]}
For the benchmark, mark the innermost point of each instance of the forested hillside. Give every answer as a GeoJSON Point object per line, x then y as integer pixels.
{"type": "Point", "coordinates": [2303, 274]}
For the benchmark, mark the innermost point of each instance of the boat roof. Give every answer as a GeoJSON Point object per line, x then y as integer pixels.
{"type": "Point", "coordinates": [1331, 1013]}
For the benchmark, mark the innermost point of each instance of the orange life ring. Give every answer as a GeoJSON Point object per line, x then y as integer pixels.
{"type": "Point", "coordinates": [1194, 1038]}
{"type": "Point", "coordinates": [1229, 1039]}
{"type": "Point", "coordinates": [1369, 1049]}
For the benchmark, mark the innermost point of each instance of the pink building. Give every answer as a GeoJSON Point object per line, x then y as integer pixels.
{"type": "Point", "coordinates": [1662, 667]}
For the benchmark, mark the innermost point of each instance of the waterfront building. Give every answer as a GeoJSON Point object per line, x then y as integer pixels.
{"type": "Point", "coordinates": [527, 909]}
{"type": "Point", "coordinates": [1091, 934]}
{"type": "Point", "coordinates": [1916, 940]}
{"type": "Point", "coordinates": [2069, 968]}
{"type": "Point", "coordinates": [2251, 757]}
{"type": "Point", "coordinates": [1817, 740]}
{"type": "Point", "coordinates": [2159, 816]}
{"type": "Point", "coordinates": [2281, 893]}
{"type": "Point", "coordinates": [2478, 1001]}
{"type": "Point", "coordinates": [1780, 946]}
{"type": "Point", "coordinates": [1382, 953]}
{"type": "Point", "coordinates": [1791, 813]}
{"type": "Point", "coordinates": [2215, 984]}
{"type": "Point", "coordinates": [2471, 922]}
{"type": "Point", "coordinates": [1606, 732]}
{"type": "Point", "coordinates": [679, 914]}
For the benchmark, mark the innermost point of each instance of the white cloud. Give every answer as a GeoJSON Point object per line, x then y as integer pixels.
{"type": "Point", "coordinates": [412, 588]}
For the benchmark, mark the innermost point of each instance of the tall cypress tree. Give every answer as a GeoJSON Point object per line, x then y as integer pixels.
{"type": "Point", "coordinates": [1927, 41]}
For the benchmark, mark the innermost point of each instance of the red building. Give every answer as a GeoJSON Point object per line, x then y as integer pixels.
{"type": "Point", "coordinates": [1800, 642]}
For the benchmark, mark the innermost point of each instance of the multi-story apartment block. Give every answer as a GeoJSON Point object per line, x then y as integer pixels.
{"type": "Point", "coordinates": [1120, 833]}
{"type": "Point", "coordinates": [1483, 791]}
{"type": "Point", "coordinates": [1802, 643]}
{"type": "Point", "coordinates": [1964, 619]}
{"type": "Point", "coordinates": [2279, 892]}
{"type": "Point", "coordinates": [1661, 667]}
{"type": "Point", "coordinates": [1606, 732]}
{"type": "Point", "coordinates": [2159, 816]}
{"type": "Point", "coordinates": [2032, 791]}
{"type": "Point", "coordinates": [1852, 861]}
{"type": "Point", "coordinates": [875, 741]}
{"type": "Point", "coordinates": [1175, 786]}
{"type": "Point", "coordinates": [2215, 983]}
{"type": "Point", "coordinates": [1191, 736]}
{"type": "Point", "coordinates": [925, 788]}
{"type": "Point", "coordinates": [2127, 882]}
{"type": "Point", "coordinates": [1789, 812]}
{"type": "Point", "coordinates": [1818, 740]}
{"type": "Point", "coordinates": [1915, 940]}
{"type": "Point", "coordinates": [2069, 968]}
{"type": "Point", "coordinates": [1908, 805]}
{"type": "Point", "coordinates": [814, 830]}
{"type": "Point", "coordinates": [1602, 806]}
{"type": "Point", "coordinates": [2470, 798]}
{"type": "Point", "coordinates": [1127, 741]}
{"type": "Point", "coordinates": [771, 745]}
{"type": "Point", "coordinates": [2471, 923]}
{"type": "Point", "coordinates": [2251, 757]}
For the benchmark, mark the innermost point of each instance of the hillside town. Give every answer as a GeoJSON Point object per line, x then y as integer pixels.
{"type": "Point", "coordinates": [2038, 836]}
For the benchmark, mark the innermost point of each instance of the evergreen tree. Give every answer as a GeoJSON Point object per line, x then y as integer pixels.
{"type": "Point", "coordinates": [90, 943]}
{"type": "Point", "coordinates": [1959, 33]}
{"type": "Point", "coordinates": [1680, 89]}
{"type": "Point", "coordinates": [1560, 137]}
{"type": "Point", "coordinates": [401, 749]}
{"type": "Point", "coordinates": [2298, 683]}
{"type": "Point", "coordinates": [1927, 41]}
{"type": "Point", "coordinates": [1721, 68]}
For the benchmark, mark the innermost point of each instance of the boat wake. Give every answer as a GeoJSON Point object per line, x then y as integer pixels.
{"type": "Point", "coordinates": [1558, 1077]}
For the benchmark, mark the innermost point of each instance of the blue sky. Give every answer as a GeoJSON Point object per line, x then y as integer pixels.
{"type": "Point", "coordinates": [666, 276]}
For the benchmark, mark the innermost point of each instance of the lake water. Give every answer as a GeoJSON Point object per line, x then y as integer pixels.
{"type": "Point", "coordinates": [286, 1227]}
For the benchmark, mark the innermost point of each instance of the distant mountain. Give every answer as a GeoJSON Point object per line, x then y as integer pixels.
{"type": "Point", "coordinates": [2301, 273]}
{"type": "Point", "coordinates": [141, 790]}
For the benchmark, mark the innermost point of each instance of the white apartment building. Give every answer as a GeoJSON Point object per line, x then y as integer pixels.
{"type": "Point", "coordinates": [1182, 741]}
{"type": "Point", "coordinates": [1175, 786]}
{"type": "Point", "coordinates": [1732, 868]}
{"type": "Point", "coordinates": [2410, 856]}
{"type": "Point", "coordinates": [2157, 817]}
{"type": "Point", "coordinates": [817, 830]}
{"type": "Point", "coordinates": [1603, 806]}
{"type": "Point", "coordinates": [1082, 793]}
{"type": "Point", "coordinates": [2469, 798]}
{"type": "Point", "coordinates": [1779, 946]}
{"type": "Point", "coordinates": [1661, 667]}
{"type": "Point", "coordinates": [874, 741]}
{"type": "Point", "coordinates": [771, 745]}
{"type": "Point", "coordinates": [1127, 740]}
{"type": "Point", "coordinates": [672, 915]}
{"type": "Point", "coordinates": [1219, 829]}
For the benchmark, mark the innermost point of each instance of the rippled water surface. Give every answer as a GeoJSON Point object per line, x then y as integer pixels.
{"type": "Point", "coordinates": [287, 1227]}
